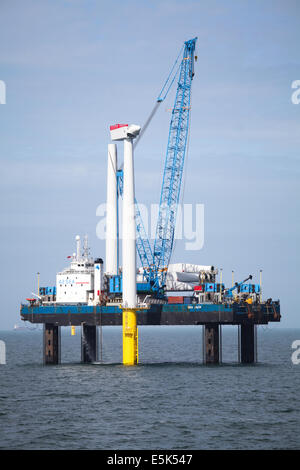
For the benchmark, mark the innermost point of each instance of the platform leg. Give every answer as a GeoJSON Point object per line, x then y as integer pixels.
{"type": "Point", "coordinates": [51, 344]}
{"type": "Point", "coordinates": [130, 337]}
{"type": "Point", "coordinates": [89, 343]}
{"type": "Point", "coordinates": [212, 339]}
{"type": "Point", "coordinates": [220, 344]}
{"type": "Point", "coordinates": [247, 343]}
{"type": "Point", "coordinates": [239, 344]}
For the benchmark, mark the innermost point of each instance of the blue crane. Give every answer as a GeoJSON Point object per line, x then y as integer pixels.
{"type": "Point", "coordinates": [174, 163]}
{"type": "Point", "coordinates": [155, 262]}
{"type": "Point", "coordinates": [228, 292]}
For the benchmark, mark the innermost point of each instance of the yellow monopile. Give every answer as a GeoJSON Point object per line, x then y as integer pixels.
{"type": "Point", "coordinates": [73, 331]}
{"type": "Point", "coordinates": [130, 337]}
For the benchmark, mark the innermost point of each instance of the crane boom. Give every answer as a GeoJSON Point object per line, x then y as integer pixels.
{"type": "Point", "coordinates": [238, 284]}
{"type": "Point", "coordinates": [174, 163]}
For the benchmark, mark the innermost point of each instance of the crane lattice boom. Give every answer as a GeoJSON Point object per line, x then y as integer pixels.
{"type": "Point", "coordinates": [174, 163]}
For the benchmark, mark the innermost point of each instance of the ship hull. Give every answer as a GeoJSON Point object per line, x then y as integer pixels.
{"type": "Point", "coordinates": [175, 314]}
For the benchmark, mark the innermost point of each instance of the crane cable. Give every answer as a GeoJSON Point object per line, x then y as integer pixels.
{"type": "Point", "coordinates": [159, 100]}
{"type": "Point", "coordinates": [151, 116]}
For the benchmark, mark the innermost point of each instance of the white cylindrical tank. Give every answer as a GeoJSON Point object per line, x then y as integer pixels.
{"type": "Point", "coordinates": [98, 278]}
{"type": "Point", "coordinates": [129, 234]}
{"type": "Point", "coordinates": [111, 256]}
{"type": "Point", "coordinates": [187, 277]}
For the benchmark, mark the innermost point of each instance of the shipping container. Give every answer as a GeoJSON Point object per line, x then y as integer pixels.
{"type": "Point", "coordinates": [175, 300]}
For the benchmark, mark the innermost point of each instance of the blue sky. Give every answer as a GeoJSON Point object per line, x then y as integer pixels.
{"type": "Point", "coordinates": [73, 67]}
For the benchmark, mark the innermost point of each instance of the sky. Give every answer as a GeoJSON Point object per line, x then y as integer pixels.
{"type": "Point", "coordinates": [73, 67]}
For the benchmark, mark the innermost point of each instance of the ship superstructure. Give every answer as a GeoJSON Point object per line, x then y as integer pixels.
{"type": "Point", "coordinates": [79, 283]}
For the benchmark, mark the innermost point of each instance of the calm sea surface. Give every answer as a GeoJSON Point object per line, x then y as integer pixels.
{"type": "Point", "coordinates": [169, 401]}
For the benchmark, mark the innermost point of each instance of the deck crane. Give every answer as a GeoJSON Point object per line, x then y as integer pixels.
{"type": "Point", "coordinates": [228, 292]}
{"type": "Point", "coordinates": [155, 262]}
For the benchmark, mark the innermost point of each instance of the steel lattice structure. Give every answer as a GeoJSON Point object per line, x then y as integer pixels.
{"type": "Point", "coordinates": [174, 163]}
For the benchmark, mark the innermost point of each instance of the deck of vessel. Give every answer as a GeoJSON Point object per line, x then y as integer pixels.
{"type": "Point", "coordinates": [167, 314]}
